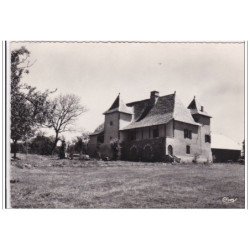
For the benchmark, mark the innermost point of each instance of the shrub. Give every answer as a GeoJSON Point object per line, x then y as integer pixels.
{"type": "Point", "coordinates": [115, 147]}
{"type": "Point", "coordinates": [147, 154]}
{"type": "Point", "coordinates": [42, 145]}
{"type": "Point", "coordinates": [196, 156]}
{"type": "Point", "coordinates": [105, 151]}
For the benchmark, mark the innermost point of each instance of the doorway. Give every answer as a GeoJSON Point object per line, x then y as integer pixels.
{"type": "Point", "coordinates": [170, 150]}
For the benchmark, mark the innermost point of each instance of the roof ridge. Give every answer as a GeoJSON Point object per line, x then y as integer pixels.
{"type": "Point", "coordinates": [148, 99]}
{"type": "Point", "coordinates": [138, 101]}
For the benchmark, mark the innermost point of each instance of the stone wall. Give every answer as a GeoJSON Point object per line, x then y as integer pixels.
{"type": "Point", "coordinates": [199, 150]}
{"type": "Point", "coordinates": [144, 150]}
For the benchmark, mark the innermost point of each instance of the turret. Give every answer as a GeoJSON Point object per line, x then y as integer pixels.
{"type": "Point", "coordinates": [198, 112]}
{"type": "Point", "coordinates": [117, 116]}
{"type": "Point", "coordinates": [203, 118]}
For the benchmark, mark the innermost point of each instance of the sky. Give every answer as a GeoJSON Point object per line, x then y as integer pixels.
{"type": "Point", "coordinates": [98, 72]}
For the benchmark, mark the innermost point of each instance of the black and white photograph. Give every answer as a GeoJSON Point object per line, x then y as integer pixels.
{"type": "Point", "coordinates": [126, 124]}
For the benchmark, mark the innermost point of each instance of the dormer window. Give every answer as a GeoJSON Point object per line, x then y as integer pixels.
{"type": "Point", "coordinates": [202, 108]}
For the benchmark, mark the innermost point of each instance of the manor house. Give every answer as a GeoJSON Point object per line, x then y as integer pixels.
{"type": "Point", "coordinates": [155, 129]}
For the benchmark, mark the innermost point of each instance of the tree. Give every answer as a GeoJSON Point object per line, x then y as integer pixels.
{"type": "Point", "coordinates": [28, 105]}
{"type": "Point", "coordinates": [80, 143]}
{"type": "Point", "coordinates": [62, 150]}
{"type": "Point", "coordinates": [79, 146]}
{"type": "Point", "coordinates": [63, 113]}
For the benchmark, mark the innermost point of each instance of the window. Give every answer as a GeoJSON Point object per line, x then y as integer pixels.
{"type": "Point", "coordinates": [187, 149]}
{"type": "Point", "coordinates": [196, 118]}
{"type": "Point", "coordinates": [111, 123]}
{"type": "Point", "coordinates": [202, 108]}
{"type": "Point", "coordinates": [187, 133]}
{"type": "Point", "coordinates": [208, 138]}
{"type": "Point", "coordinates": [155, 132]}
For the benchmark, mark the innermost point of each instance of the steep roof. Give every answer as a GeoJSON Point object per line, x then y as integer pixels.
{"type": "Point", "coordinates": [165, 109]}
{"type": "Point", "coordinates": [181, 113]}
{"type": "Point", "coordinates": [196, 108]}
{"type": "Point", "coordinates": [118, 105]}
{"type": "Point", "coordinates": [219, 141]}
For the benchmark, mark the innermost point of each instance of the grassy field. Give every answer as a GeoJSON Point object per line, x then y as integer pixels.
{"type": "Point", "coordinates": [46, 182]}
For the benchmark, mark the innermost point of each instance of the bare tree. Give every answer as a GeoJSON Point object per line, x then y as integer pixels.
{"type": "Point", "coordinates": [63, 113]}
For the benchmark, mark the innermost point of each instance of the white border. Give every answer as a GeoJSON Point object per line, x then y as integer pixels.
{"type": "Point", "coordinates": [8, 154]}
{"type": "Point", "coordinates": [125, 20]}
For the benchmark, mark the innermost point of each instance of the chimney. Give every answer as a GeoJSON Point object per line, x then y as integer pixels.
{"type": "Point", "coordinates": [154, 96]}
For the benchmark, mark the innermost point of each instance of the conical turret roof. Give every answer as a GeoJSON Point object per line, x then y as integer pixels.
{"type": "Point", "coordinates": [119, 106]}
{"type": "Point", "coordinates": [196, 108]}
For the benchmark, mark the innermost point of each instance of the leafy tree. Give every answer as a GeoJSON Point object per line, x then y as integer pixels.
{"type": "Point", "coordinates": [79, 145]}
{"type": "Point", "coordinates": [28, 105]}
{"type": "Point", "coordinates": [63, 113]}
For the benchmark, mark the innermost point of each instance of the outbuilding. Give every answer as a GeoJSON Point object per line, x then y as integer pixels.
{"type": "Point", "coordinates": [224, 149]}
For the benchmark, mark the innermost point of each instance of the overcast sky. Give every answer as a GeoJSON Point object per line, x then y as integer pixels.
{"type": "Point", "coordinates": [97, 72]}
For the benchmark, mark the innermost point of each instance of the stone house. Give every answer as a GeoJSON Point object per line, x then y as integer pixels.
{"type": "Point", "coordinates": [155, 129]}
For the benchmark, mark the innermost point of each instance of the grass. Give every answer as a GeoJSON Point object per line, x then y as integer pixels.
{"type": "Point", "coordinates": [46, 182]}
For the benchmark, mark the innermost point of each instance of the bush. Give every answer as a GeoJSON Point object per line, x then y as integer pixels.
{"type": "Point", "coordinates": [147, 154]}
{"type": "Point", "coordinates": [115, 147]}
{"type": "Point", "coordinates": [42, 145]}
{"type": "Point", "coordinates": [196, 156]}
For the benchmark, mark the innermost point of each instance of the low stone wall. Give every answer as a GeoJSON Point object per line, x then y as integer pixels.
{"type": "Point", "coordinates": [150, 150]}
